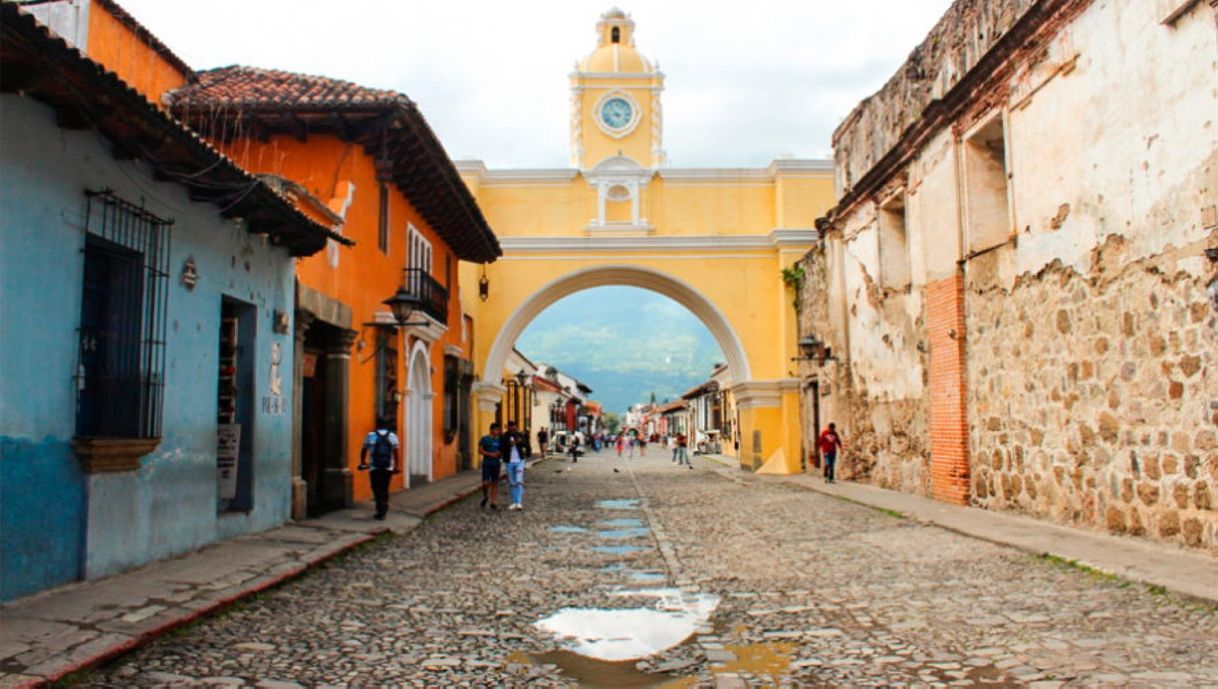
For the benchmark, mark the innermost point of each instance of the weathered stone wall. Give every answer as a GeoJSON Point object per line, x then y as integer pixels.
{"type": "Point", "coordinates": [966, 31]}
{"type": "Point", "coordinates": [1091, 397]}
{"type": "Point", "coordinates": [884, 427]}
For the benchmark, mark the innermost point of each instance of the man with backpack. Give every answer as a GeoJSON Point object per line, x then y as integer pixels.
{"type": "Point", "coordinates": [382, 445]}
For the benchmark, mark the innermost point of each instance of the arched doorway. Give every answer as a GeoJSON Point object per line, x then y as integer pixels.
{"type": "Point", "coordinates": [419, 417]}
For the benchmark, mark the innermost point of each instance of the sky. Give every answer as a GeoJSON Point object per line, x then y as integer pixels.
{"type": "Point", "coordinates": [746, 82]}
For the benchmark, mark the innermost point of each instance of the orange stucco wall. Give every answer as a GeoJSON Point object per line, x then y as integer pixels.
{"type": "Point", "coordinates": [118, 48]}
{"type": "Point", "coordinates": [365, 275]}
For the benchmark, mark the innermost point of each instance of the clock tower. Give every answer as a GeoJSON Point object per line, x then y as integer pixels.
{"type": "Point", "coordinates": [615, 100]}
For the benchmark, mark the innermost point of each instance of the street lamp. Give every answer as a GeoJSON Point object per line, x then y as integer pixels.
{"type": "Point", "coordinates": [814, 350]}
{"type": "Point", "coordinates": [403, 304]}
{"type": "Point", "coordinates": [522, 377]}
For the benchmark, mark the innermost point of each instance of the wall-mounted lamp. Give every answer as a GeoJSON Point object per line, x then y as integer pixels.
{"type": "Point", "coordinates": [522, 377]}
{"type": "Point", "coordinates": [813, 349]}
{"type": "Point", "coordinates": [484, 285]}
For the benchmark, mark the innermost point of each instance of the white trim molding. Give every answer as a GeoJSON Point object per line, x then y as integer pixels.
{"type": "Point", "coordinates": [602, 238]}
{"type": "Point", "coordinates": [488, 395]}
{"type": "Point", "coordinates": [757, 394]}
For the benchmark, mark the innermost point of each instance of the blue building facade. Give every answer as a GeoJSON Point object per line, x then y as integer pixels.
{"type": "Point", "coordinates": [145, 333]}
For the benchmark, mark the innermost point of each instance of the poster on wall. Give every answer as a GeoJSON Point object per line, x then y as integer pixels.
{"type": "Point", "coordinates": [228, 449]}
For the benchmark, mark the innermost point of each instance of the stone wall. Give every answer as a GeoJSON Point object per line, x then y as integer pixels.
{"type": "Point", "coordinates": [1091, 397]}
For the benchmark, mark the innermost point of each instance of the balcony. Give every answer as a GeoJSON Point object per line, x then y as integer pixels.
{"type": "Point", "coordinates": [431, 295]}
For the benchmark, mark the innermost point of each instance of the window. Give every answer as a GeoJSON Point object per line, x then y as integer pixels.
{"type": "Point", "coordinates": [987, 213]}
{"type": "Point", "coordinates": [382, 237]}
{"type": "Point", "coordinates": [121, 368]}
{"type": "Point", "coordinates": [452, 388]}
{"type": "Point", "coordinates": [615, 35]}
{"type": "Point", "coordinates": [420, 250]}
{"type": "Point", "coordinates": [894, 244]}
{"type": "Point", "coordinates": [387, 376]}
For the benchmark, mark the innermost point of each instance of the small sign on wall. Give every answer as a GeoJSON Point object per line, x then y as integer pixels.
{"type": "Point", "coordinates": [228, 449]}
{"type": "Point", "coordinates": [275, 405]}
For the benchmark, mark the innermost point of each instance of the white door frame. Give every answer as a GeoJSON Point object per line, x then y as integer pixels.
{"type": "Point", "coordinates": [419, 402]}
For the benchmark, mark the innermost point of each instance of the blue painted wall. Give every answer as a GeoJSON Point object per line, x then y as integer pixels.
{"type": "Point", "coordinates": [56, 523]}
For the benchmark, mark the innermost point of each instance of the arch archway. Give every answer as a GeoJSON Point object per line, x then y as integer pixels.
{"type": "Point", "coordinates": [418, 417]}
{"type": "Point", "coordinates": [617, 275]}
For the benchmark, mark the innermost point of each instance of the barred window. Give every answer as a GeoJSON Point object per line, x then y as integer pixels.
{"type": "Point", "coordinates": [452, 387]}
{"type": "Point", "coordinates": [120, 376]}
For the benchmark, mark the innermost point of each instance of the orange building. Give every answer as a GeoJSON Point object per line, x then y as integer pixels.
{"type": "Point", "coordinates": [366, 163]}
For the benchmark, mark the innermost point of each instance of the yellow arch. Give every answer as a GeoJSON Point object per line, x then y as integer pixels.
{"type": "Point", "coordinates": [617, 275]}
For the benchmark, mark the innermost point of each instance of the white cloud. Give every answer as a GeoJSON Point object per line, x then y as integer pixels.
{"type": "Point", "coordinates": [747, 82]}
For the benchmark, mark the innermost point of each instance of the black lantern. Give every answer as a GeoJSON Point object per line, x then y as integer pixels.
{"type": "Point", "coordinates": [403, 304]}
{"type": "Point", "coordinates": [810, 347]}
{"type": "Point", "coordinates": [522, 377]}
{"type": "Point", "coordinates": [484, 285]}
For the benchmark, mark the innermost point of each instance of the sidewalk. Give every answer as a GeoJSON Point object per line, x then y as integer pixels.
{"type": "Point", "coordinates": [1188, 574]}
{"type": "Point", "coordinates": [55, 633]}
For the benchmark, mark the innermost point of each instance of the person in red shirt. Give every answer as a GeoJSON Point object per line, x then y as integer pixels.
{"type": "Point", "coordinates": [830, 442]}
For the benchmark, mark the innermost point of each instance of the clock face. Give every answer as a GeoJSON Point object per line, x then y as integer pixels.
{"type": "Point", "coordinates": [616, 113]}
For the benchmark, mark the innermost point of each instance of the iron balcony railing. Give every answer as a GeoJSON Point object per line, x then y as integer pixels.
{"type": "Point", "coordinates": [433, 298]}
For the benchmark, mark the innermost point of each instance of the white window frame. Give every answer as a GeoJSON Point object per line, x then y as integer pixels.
{"type": "Point", "coordinates": [419, 253]}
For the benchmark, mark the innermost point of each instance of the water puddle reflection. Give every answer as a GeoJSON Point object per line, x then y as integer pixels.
{"type": "Point", "coordinates": [623, 533]}
{"type": "Point", "coordinates": [619, 504]}
{"type": "Point", "coordinates": [566, 528]}
{"type": "Point", "coordinates": [622, 523]}
{"type": "Point", "coordinates": [631, 633]}
{"type": "Point", "coordinates": [616, 549]}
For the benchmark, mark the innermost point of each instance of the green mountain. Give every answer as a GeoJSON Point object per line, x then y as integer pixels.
{"type": "Point", "coordinates": [625, 343]}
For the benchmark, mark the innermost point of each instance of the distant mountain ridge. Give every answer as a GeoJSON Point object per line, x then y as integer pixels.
{"type": "Point", "coordinates": [624, 343]}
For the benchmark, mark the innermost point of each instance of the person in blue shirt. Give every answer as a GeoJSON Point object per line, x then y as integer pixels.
{"type": "Point", "coordinates": [488, 447]}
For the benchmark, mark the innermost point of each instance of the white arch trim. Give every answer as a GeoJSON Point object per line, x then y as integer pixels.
{"type": "Point", "coordinates": [418, 413]}
{"type": "Point", "coordinates": [617, 275]}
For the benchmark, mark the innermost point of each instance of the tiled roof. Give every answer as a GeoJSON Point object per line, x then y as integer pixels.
{"type": "Point", "coordinates": [42, 66]}
{"type": "Point", "coordinates": [276, 89]}
{"type": "Point", "coordinates": [262, 102]}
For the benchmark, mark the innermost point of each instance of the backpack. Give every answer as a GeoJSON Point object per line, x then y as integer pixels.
{"type": "Point", "coordinates": [382, 451]}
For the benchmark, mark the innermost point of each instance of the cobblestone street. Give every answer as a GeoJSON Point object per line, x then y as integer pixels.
{"type": "Point", "coordinates": [813, 592]}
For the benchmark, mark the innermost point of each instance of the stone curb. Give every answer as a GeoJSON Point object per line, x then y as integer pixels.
{"type": "Point", "coordinates": [211, 607]}
{"type": "Point", "coordinates": [724, 470]}
{"type": "Point", "coordinates": [258, 585]}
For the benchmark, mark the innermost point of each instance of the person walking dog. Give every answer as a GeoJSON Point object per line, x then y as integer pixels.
{"type": "Point", "coordinates": [382, 444]}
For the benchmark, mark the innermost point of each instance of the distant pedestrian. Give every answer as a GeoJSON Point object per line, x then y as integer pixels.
{"type": "Point", "coordinates": [382, 444]}
{"type": "Point", "coordinates": [620, 442]}
{"type": "Point", "coordinates": [830, 442]}
{"type": "Point", "coordinates": [642, 446]}
{"type": "Point", "coordinates": [543, 437]}
{"type": "Point", "coordinates": [514, 447]}
{"type": "Point", "coordinates": [672, 445]}
{"type": "Point", "coordinates": [488, 447]}
{"type": "Point", "coordinates": [682, 451]}
{"type": "Point", "coordinates": [631, 441]}
{"type": "Point", "coordinates": [575, 451]}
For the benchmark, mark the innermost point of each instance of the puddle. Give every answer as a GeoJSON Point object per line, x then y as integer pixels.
{"type": "Point", "coordinates": [620, 504]}
{"type": "Point", "coordinates": [566, 528]}
{"type": "Point", "coordinates": [647, 576]}
{"type": "Point", "coordinates": [772, 659]}
{"type": "Point", "coordinates": [602, 674]}
{"type": "Point", "coordinates": [616, 549]}
{"type": "Point", "coordinates": [631, 633]}
{"type": "Point", "coordinates": [639, 532]}
{"type": "Point", "coordinates": [622, 523]}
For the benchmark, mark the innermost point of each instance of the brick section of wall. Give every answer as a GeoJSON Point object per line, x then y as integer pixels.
{"type": "Point", "coordinates": [948, 420]}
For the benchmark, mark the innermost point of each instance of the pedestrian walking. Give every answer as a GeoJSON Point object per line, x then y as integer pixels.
{"type": "Point", "coordinates": [382, 445]}
{"type": "Point", "coordinates": [515, 448]}
{"type": "Point", "coordinates": [575, 451]}
{"type": "Point", "coordinates": [620, 443]}
{"type": "Point", "coordinates": [488, 447]}
{"type": "Point", "coordinates": [683, 451]}
{"type": "Point", "coordinates": [830, 442]}
{"type": "Point", "coordinates": [672, 445]}
{"type": "Point", "coordinates": [543, 437]}
{"type": "Point", "coordinates": [631, 441]}
{"type": "Point", "coordinates": [642, 446]}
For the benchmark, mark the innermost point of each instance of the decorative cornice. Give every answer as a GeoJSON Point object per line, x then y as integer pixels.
{"type": "Point", "coordinates": [602, 238]}
{"type": "Point", "coordinates": [812, 167]}
{"type": "Point", "coordinates": [753, 394]}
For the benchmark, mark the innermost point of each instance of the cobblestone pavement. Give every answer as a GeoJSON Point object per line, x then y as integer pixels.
{"type": "Point", "coordinates": [815, 592]}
